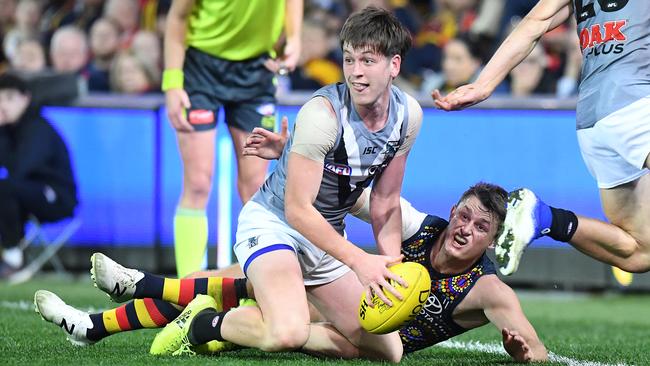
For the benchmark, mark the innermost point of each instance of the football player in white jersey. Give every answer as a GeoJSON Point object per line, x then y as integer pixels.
{"type": "Point", "coordinates": [613, 123]}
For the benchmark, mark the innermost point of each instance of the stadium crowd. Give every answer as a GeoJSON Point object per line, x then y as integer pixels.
{"type": "Point", "coordinates": [116, 45]}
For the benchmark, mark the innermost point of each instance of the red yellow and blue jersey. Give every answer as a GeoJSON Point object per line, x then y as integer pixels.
{"type": "Point", "coordinates": [435, 322]}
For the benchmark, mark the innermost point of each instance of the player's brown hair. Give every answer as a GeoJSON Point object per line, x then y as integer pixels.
{"type": "Point", "coordinates": [378, 30]}
{"type": "Point", "coordinates": [492, 196]}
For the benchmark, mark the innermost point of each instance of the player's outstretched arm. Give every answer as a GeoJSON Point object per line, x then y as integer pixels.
{"type": "Point", "coordinates": [266, 144]}
{"type": "Point", "coordinates": [502, 308]}
{"type": "Point", "coordinates": [546, 15]}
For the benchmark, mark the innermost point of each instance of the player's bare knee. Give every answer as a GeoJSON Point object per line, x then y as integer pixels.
{"type": "Point", "coordinates": [638, 257]}
{"type": "Point", "coordinates": [628, 245]}
{"type": "Point", "coordinates": [390, 352]}
{"type": "Point", "coordinates": [637, 263]}
{"type": "Point", "coordinates": [285, 338]}
{"type": "Point", "coordinates": [634, 267]}
{"type": "Point", "coordinates": [347, 351]}
{"type": "Point", "coordinates": [396, 353]}
{"type": "Point", "coordinates": [393, 355]}
{"type": "Point", "coordinates": [644, 242]}
{"type": "Point", "coordinates": [197, 187]}
{"type": "Point", "coordinates": [629, 250]}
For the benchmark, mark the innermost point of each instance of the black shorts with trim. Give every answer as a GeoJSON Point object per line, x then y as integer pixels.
{"type": "Point", "coordinates": [245, 89]}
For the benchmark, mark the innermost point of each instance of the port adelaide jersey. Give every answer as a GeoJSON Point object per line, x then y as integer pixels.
{"type": "Point", "coordinates": [357, 157]}
{"type": "Point", "coordinates": [615, 42]}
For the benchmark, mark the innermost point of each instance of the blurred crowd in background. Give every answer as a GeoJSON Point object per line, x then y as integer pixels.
{"type": "Point", "coordinates": [116, 45]}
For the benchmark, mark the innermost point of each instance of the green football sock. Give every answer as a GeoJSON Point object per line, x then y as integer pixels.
{"type": "Point", "coordinates": [190, 239]}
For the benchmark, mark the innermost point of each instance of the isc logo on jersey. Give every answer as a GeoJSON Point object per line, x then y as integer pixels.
{"type": "Point", "coordinates": [382, 319]}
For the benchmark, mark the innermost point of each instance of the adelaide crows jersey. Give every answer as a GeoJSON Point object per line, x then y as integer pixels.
{"type": "Point", "coordinates": [435, 323]}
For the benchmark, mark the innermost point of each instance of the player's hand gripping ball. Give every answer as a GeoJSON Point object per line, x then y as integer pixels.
{"type": "Point", "coordinates": [381, 318]}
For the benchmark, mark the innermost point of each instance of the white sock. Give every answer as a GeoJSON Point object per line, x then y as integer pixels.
{"type": "Point", "coordinates": [13, 256]}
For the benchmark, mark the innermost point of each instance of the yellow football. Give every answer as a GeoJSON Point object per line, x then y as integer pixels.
{"type": "Point", "coordinates": [381, 318]}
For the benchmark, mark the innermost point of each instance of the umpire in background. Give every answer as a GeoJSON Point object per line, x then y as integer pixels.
{"type": "Point", "coordinates": [36, 177]}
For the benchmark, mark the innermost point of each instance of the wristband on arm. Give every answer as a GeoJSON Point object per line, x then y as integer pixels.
{"type": "Point", "coordinates": [172, 79]}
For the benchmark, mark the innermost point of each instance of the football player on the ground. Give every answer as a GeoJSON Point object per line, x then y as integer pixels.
{"type": "Point", "coordinates": [465, 291]}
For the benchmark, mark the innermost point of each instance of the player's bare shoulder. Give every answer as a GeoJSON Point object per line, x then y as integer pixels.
{"type": "Point", "coordinates": [316, 129]}
{"type": "Point", "coordinates": [317, 110]}
{"type": "Point", "coordinates": [414, 109]}
{"type": "Point", "coordinates": [414, 123]}
{"type": "Point", "coordinates": [320, 105]}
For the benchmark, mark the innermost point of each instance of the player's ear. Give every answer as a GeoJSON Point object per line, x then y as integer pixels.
{"type": "Point", "coordinates": [496, 235]}
{"type": "Point", "coordinates": [395, 65]}
{"type": "Point", "coordinates": [451, 213]}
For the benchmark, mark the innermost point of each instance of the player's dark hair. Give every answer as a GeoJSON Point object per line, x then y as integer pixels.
{"type": "Point", "coordinates": [492, 196]}
{"type": "Point", "coordinates": [378, 30]}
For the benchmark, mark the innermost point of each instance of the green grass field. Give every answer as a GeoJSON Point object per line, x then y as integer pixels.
{"type": "Point", "coordinates": [578, 330]}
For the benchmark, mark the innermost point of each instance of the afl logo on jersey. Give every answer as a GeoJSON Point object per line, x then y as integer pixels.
{"type": "Point", "coordinates": [338, 169]}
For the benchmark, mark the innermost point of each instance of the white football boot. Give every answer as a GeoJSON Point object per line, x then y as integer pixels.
{"type": "Point", "coordinates": [116, 281]}
{"type": "Point", "coordinates": [74, 322]}
{"type": "Point", "coordinates": [520, 228]}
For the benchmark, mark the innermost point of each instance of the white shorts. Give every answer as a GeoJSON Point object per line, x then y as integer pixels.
{"type": "Point", "coordinates": [259, 231]}
{"type": "Point", "coordinates": [616, 147]}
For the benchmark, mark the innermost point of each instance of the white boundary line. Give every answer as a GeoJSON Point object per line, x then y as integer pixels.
{"type": "Point", "coordinates": [472, 346]}
{"type": "Point", "coordinates": [497, 348]}
{"type": "Point", "coordinates": [29, 306]}
{"type": "Point", "coordinates": [19, 305]}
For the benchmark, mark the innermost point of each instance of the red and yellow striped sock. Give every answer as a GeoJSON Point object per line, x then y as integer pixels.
{"type": "Point", "coordinates": [137, 314]}
{"type": "Point", "coordinates": [226, 291]}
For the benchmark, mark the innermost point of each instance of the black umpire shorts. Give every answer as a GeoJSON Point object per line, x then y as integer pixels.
{"type": "Point", "coordinates": [245, 89]}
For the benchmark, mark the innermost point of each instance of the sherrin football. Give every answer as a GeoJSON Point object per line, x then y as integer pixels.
{"type": "Point", "coordinates": [381, 318]}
